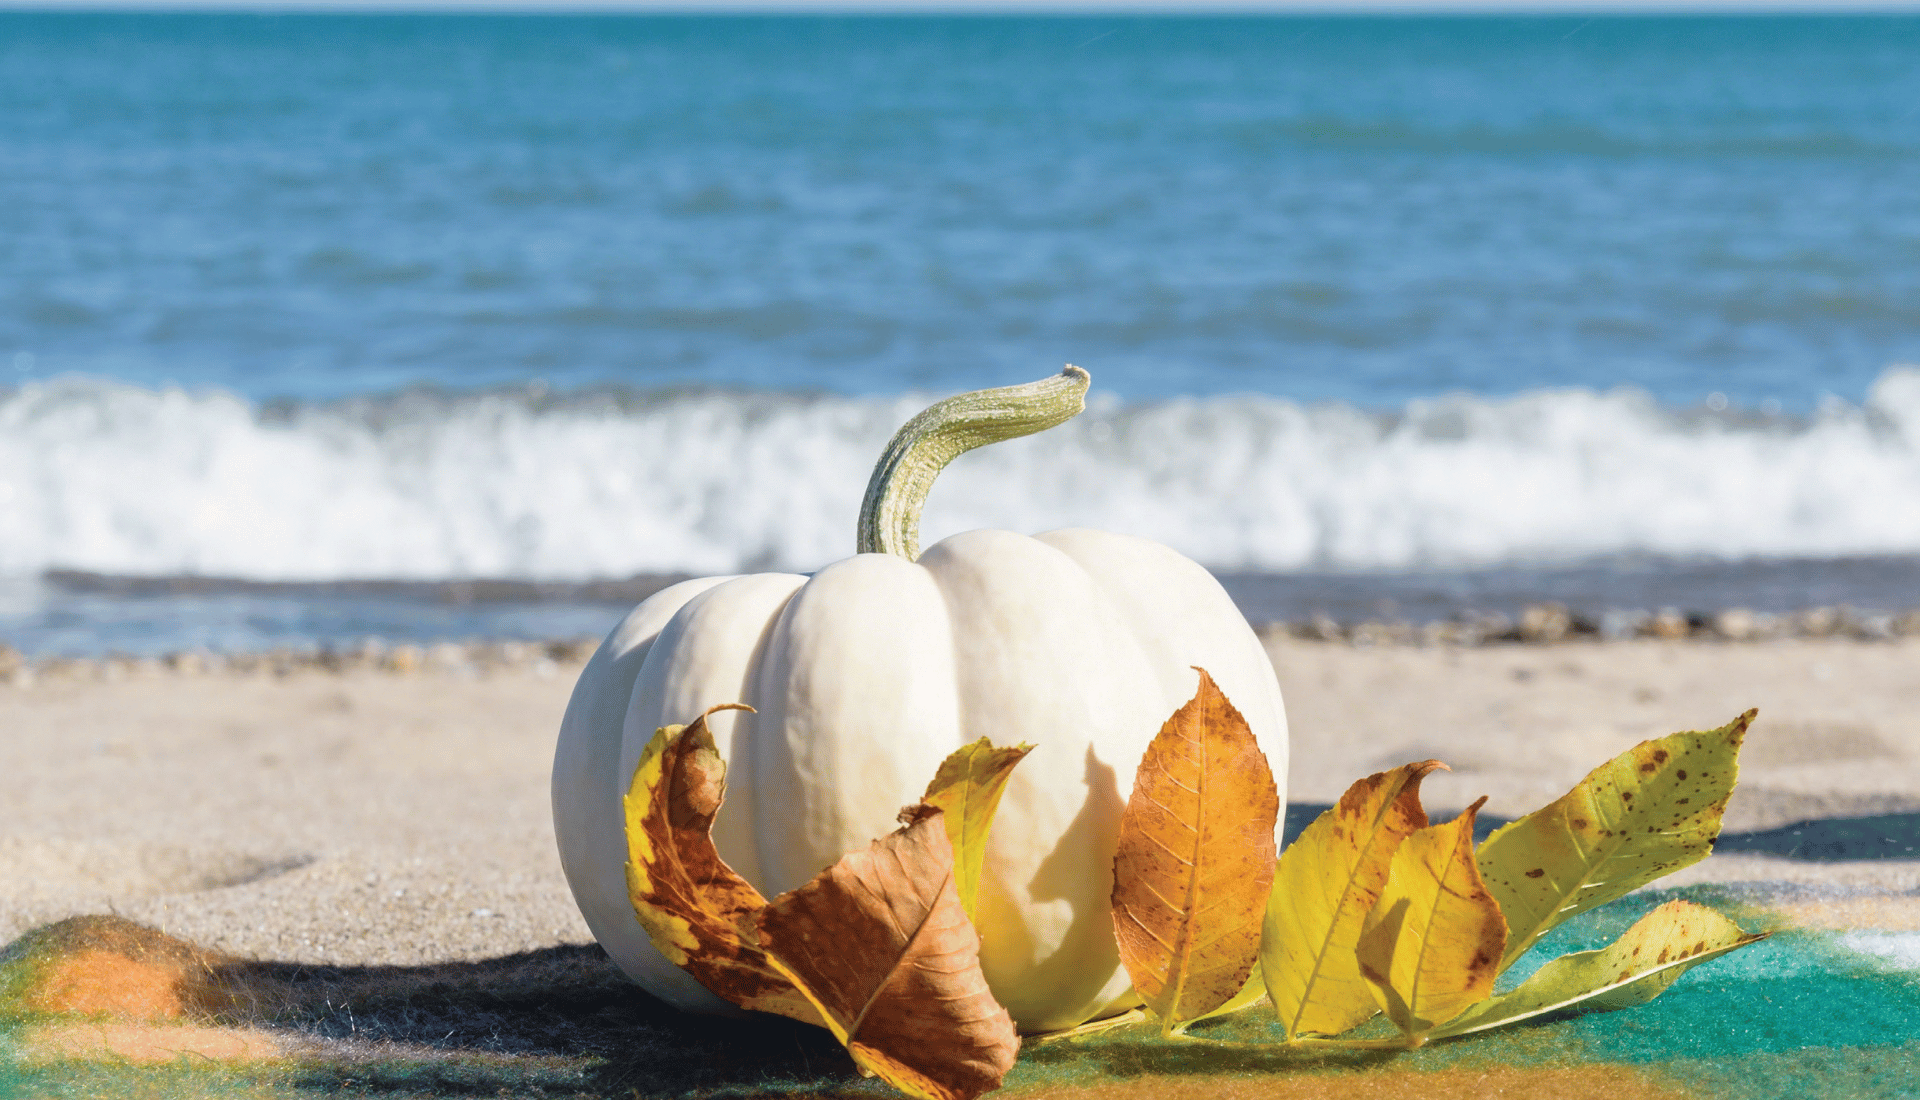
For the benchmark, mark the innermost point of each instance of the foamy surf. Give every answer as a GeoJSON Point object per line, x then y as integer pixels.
{"type": "Point", "coordinates": [106, 477]}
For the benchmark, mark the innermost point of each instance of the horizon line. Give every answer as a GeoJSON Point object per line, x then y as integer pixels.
{"type": "Point", "coordinates": [1571, 8]}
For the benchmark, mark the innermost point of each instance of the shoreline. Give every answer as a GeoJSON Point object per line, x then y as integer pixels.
{"type": "Point", "coordinates": [1538, 624]}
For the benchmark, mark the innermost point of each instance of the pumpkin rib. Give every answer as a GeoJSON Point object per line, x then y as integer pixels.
{"type": "Point", "coordinates": [704, 656]}
{"type": "Point", "coordinates": [1045, 657]}
{"type": "Point", "coordinates": [589, 823]}
{"type": "Point", "coordinates": [857, 685]}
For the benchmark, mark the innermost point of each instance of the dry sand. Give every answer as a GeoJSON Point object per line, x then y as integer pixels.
{"type": "Point", "coordinates": [369, 818]}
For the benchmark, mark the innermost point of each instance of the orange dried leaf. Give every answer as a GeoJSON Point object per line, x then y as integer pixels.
{"type": "Point", "coordinates": [1328, 881]}
{"type": "Point", "coordinates": [966, 790]}
{"type": "Point", "coordinates": [881, 946]}
{"type": "Point", "coordinates": [1195, 860]}
{"type": "Point", "coordinates": [696, 910]}
{"type": "Point", "coordinates": [1432, 944]}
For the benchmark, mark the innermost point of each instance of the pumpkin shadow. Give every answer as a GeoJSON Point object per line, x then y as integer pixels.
{"type": "Point", "coordinates": [560, 1020]}
{"type": "Point", "coordinates": [1064, 876]}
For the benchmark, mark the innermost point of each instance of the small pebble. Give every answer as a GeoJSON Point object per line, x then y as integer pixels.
{"type": "Point", "coordinates": [1538, 624]}
{"type": "Point", "coordinates": [1548, 623]}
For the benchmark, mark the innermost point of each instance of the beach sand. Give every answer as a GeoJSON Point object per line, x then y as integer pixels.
{"type": "Point", "coordinates": [369, 818]}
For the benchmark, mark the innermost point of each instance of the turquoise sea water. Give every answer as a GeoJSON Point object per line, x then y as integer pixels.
{"type": "Point", "coordinates": [314, 298]}
{"type": "Point", "coordinates": [1366, 210]}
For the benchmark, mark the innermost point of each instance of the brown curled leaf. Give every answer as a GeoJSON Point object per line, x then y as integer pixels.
{"type": "Point", "coordinates": [1195, 860]}
{"type": "Point", "coordinates": [696, 910]}
{"type": "Point", "coordinates": [881, 946]}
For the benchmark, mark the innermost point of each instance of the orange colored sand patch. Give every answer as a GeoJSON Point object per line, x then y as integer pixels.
{"type": "Point", "coordinates": [113, 967]}
{"type": "Point", "coordinates": [144, 1044]}
{"type": "Point", "coordinates": [96, 982]}
{"type": "Point", "coordinates": [1573, 1083]}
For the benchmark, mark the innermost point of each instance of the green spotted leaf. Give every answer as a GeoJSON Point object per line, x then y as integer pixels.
{"type": "Point", "coordinates": [1634, 969]}
{"type": "Point", "coordinates": [1648, 812]}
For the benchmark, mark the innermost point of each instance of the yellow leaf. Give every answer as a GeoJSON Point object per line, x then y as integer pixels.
{"type": "Point", "coordinates": [1328, 881]}
{"type": "Point", "coordinates": [966, 790]}
{"type": "Point", "coordinates": [1429, 947]}
{"type": "Point", "coordinates": [1195, 860]}
{"type": "Point", "coordinates": [694, 907]}
{"type": "Point", "coordinates": [879, 944]}
{"type": "Point", "coordinates": [1633, 970]}
{"type": "Point", "coordinates": [1647, 812]}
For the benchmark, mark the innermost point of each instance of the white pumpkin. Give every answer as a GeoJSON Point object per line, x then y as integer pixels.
{"type": "Point", "coordinates": [866, 675]}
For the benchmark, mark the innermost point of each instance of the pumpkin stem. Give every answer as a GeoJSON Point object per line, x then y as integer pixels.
{"type": "Point", "coordinates": [890, 514]}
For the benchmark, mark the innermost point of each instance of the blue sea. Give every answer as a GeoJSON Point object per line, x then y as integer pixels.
{"type": "Point", "coordinates": [1448, 311]}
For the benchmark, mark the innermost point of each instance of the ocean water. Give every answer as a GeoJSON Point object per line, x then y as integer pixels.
{"type": "Point", "coordinates": [1478, 309]}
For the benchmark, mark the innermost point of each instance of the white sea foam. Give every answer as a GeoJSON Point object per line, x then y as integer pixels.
{"type": "Point", "coordinates": [101, 476]}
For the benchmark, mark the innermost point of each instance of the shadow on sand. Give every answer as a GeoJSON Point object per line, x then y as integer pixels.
{"type": "Point", "coordinates": [559, 1021]}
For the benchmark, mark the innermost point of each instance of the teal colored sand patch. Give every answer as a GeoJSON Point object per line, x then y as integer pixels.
{"type": "Point", "coordinates": [1796, 991]}
{"type": "Point", "coordinates": [1800, 997]}
{"type": "Point", "coordinates": [184, 1080]}
{"type": "Point", "coordinates": [13, 1081]}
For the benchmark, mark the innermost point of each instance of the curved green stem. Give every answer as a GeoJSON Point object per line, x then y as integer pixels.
{"type": "Point", "coordinates": [890, 514]}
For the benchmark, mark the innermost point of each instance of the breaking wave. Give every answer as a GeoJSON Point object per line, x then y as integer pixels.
{"type": "Point", "coordinates": [106, 477]}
